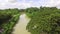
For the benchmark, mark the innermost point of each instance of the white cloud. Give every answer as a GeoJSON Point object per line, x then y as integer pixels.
{"type": "Point", "coordinates": [52, 3]}
{"type": "Point", "coordinates": [13, 4]}
{"type": "Point", "coordinates": [5, 4]}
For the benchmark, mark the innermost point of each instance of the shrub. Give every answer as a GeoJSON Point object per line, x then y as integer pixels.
{"type": "Point", "coordinates": [44, 21]}
{"type": "Point", "coordinates": [8, 19]}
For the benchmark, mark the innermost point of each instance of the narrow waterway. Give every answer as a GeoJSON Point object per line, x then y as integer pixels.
{"type": "Point", "coordinates": [20, 27]}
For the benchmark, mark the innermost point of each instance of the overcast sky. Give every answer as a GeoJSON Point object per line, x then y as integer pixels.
{"type": "Point", "coordinates": [21, 4]}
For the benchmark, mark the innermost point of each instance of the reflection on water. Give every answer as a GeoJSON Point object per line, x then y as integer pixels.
{"type": "Point", "coordinates": [20, 27]}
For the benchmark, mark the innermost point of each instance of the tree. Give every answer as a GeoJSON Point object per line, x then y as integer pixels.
{"type": "Point", "coordinates": [46, 20]}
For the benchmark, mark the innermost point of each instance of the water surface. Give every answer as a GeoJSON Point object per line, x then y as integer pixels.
{"type": "Point", "coordinates": [20, 27]}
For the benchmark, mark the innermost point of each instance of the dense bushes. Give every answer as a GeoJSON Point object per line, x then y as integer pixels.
{"type": "Point", "coordinates": [44, 21]}
{"type": "Point", "coordinates": [31, 11]}
{"type": "Point", "coordinates": [8, 19]}
{"type": "Point", "coordinates": [4, 16]}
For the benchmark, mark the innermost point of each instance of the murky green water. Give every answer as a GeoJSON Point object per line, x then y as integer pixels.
{"type": "Point", "coordinates": [20, 27]}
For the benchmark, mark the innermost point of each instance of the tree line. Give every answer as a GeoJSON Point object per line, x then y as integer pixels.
{"type": "Point", "coordinates": [44, 20]}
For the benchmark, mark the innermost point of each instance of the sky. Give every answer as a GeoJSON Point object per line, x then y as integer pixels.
{"type": "Point", "coordinates": [22, 4]}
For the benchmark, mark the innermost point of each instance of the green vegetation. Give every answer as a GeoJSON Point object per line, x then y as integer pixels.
{"type": "Point", "coordinates": [8, 19]}
{"type": "Point", "coordinates": [45, 20]}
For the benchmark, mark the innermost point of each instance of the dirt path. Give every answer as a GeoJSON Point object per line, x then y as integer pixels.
{"type": "Point", "coordinates": [20, 27]}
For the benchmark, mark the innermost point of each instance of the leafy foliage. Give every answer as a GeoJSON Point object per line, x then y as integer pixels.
{"type": "Point", "coordinates": [45, 20]}
{"type": "Point", "coordinates": [8, 19]}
